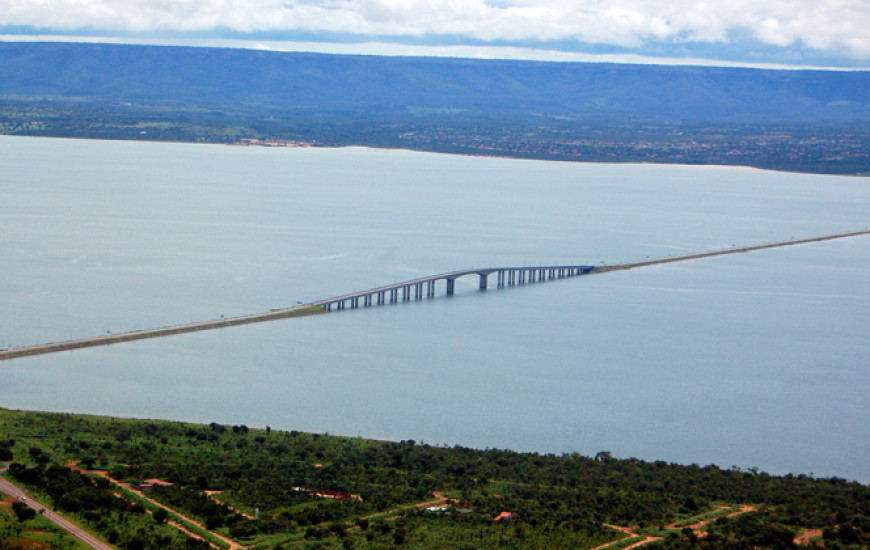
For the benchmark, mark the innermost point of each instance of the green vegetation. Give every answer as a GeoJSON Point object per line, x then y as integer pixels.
{"type": "Point", "coordinates": [279, 489]}
{"type": "Point", "coordinates": [33, 531]}
{"type": "Point", "coordinates": [840, 148]}
{"type": "Point", "coordinates": [92, 501]}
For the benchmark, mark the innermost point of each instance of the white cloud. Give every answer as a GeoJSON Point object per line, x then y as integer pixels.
{"type": "Point", "coordinates": [832, 26]}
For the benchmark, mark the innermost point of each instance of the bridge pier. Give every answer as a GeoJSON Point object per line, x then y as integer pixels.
{"type": "Point", "coordinates": [427, 286]}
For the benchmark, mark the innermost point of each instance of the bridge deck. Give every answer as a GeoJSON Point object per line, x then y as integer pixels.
{"type": "Point", "coordinates": [507, 276]}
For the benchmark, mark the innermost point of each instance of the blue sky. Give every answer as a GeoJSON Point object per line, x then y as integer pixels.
{"type": "Point", "coordinates": [832, 33]}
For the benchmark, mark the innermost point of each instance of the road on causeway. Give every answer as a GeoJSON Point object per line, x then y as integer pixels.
{"type": "Point", "coordinates": [314, 307]}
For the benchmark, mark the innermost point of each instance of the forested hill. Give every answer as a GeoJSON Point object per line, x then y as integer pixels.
{"type": "Point", "coordinates": [489, 88]}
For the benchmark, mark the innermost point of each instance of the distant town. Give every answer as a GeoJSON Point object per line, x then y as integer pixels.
{"type": "Point", "coordinates": [810, 148]}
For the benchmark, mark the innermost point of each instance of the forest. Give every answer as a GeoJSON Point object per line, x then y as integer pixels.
{"type": "Point", "coordinates": [142, 484]}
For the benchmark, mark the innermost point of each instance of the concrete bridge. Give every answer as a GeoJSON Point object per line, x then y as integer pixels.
{"type": "Point", "coordinates": [414, 289]}
{"type": "Point", "coordinates": [425, 286]}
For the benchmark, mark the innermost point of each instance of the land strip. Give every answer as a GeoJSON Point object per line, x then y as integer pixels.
{"type": "Point", "coordinates": [312, 308]}
{"type": "Point", "coordinates": [104, 340]}
{"type": "Point", "coordinates": [732, 250]}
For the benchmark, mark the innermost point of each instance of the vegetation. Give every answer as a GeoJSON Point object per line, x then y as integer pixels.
{"type": "Point", "coordinates": [832, 148]}
{"type": "Point", "coordinates": [30, 530]}
{"type": "Point", "coordinates": [279, 489]}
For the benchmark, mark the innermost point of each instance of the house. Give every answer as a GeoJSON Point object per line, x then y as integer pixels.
{"type": "Point", "coordinates": [504, 517]}
{"type": "Point", "coordinates": [334, 495]}
{"type": "Point", "coordinates": [149, 484]}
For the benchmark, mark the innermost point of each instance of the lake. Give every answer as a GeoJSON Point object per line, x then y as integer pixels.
{"type": "Point", "coordinates": [754, 360]}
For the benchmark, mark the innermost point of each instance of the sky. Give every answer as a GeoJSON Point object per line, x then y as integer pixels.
{"type": "Point", "coordinates": [820, 33]}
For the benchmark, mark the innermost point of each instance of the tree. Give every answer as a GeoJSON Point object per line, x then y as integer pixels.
{"type": "Point", "coordinates": [136, 543]}
{"type": "Point", "coordinates": [23, 511]}
{"type": "Point", "coordinates": [160, 515]}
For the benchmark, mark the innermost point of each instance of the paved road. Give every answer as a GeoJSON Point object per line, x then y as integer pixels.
{"type": "Point", "coordinates": [311, 308]}
{"type": "Point", "coordinates": [107, 339]}
{"type": "Point", "coordinates": [732, 250]}
{"type": "Point", "coordinates": [14, 491]}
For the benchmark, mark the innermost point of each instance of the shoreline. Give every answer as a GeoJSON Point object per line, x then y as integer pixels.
{"type": "Point", "coordinates": [291, 144]}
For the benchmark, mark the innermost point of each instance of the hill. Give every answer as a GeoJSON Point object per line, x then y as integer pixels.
{"type": "Point", "coordinates": [228, 77]}
{"type": "Point", "coordinates": [798, 120]}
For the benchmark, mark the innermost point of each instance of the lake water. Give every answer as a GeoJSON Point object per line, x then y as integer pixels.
{"type": "Point", "coordinates": [755, 360]}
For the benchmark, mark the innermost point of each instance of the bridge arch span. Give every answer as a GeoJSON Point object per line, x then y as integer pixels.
{"type": "Point", "coordinates": [424, 287]}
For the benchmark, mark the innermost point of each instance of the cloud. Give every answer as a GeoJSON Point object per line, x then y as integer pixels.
{"type": "Point", "coordinates": [834, 26]}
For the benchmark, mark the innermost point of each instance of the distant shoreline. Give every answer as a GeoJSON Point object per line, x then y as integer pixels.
{"type": "Point", "coordinates": [290, 144]}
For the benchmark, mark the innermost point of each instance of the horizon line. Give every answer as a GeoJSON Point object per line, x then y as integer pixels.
{"type": "Point", "coordinates": [380, 48]}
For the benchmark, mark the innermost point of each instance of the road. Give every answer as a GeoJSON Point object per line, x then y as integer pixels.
{"type": "Point", "coordinates": [732, 250]}
{"type": "Point", "coordinates": [107, 339]}
{"type": "Point", "coordinates": [313, 307]}
{"type": "Point", "coordinates": [12, 490]}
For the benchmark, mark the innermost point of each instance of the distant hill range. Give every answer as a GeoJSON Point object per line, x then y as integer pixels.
{"type": "Point", "coordinates": [795, 120]}
{"type": "Point", "coordinates": [499, 88]}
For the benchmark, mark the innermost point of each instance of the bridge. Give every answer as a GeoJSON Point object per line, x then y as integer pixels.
{"type": "Point", "coordinates": [405, 291]}
{"type": "Point", "coordinates": [425, 286]}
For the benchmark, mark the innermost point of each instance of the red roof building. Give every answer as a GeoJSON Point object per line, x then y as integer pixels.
{"type": "Point", "coordinates": [504, 516]}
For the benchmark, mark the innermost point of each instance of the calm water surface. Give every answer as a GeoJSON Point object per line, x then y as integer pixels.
{"type": "Point", "coordinates": [756, 360]}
